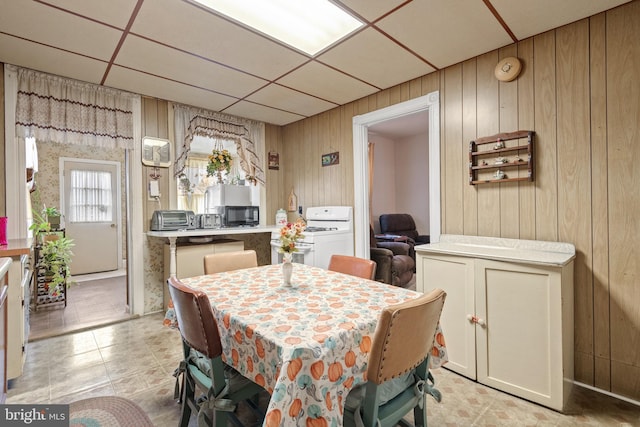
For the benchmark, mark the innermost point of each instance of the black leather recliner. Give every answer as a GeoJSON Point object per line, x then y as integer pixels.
{"type": "Point", "coordinates": [400, 224]}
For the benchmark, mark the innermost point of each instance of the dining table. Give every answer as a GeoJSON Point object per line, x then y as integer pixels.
{"type": "Point", "coordinates": [307, 344]}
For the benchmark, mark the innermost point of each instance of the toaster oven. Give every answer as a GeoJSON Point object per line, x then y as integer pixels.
{"type": "Point", "coordinates": [169, 220]}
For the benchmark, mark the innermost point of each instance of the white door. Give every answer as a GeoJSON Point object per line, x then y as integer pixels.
{"type": "Point", "coordinates": [455, 276]}
{"type": "Point", "coordinates": [91, 193]}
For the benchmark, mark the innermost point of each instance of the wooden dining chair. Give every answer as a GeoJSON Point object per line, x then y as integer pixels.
{"type": "Point", "coordinates": [397, 373]}
{"type": "Point", "coordinates": [203, 367]}
{"type": "Point", "coordinates": [354, 266]}
{"type": "Point", "coordinates": [229, 261]}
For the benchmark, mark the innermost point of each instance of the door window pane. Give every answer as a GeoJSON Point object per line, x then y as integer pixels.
{"type": "Point", "coordinates": [90, 197]}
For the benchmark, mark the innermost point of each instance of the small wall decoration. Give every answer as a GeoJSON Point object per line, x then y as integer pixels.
{"type": "Point", "coordinates": [331, 159]}
{"type": "Point", "coordinates": [292, 202]}
{"type": "Point", "coordinates": [508, 69]}
{"type": "Point", "coordinates": [274, 160]}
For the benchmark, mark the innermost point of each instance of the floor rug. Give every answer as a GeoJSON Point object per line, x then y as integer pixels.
{"type": "Point", "coordinates": [107, 411]}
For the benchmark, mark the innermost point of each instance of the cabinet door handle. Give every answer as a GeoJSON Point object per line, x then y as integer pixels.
{"type": "Point", "coordinates": [474, 319]}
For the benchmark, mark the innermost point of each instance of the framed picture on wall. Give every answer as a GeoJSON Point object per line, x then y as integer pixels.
{"type": "Point", "coordinates": [274, 160]}
{"type": "Point", "coordinates": [331, 159]}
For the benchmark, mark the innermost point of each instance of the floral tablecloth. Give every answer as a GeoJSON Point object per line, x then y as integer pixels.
{"type": "Point", "coordinates": [308, 344]}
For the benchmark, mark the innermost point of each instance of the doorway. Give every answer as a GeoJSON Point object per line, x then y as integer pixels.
{"type": "Point", "coordinates": [90, 194]}
{"type": "Point", "coordinates": [399, 179]}
{"type": "Point", "coordinates": [430, 104]}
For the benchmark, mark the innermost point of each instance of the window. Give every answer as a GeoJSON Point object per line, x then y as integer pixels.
{"type": "Point", "coordinates": [193, 182]}
{"type": "Point", "coordinates": [90, 197]}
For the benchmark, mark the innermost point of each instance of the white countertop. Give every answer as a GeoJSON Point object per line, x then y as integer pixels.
{"type": "Point", "coordinates": [213, 231]}
{"type": "Point", "coordinates": [514, 250]}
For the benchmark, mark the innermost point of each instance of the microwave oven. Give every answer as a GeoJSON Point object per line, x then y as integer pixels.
{"type": "Point", "coordinates": [240, 216]}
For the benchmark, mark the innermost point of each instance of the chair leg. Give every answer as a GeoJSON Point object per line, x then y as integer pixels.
{"type": "Point", "coordinates": [420, 414]}
{"type": "Point", "coordinates": [188, 399]}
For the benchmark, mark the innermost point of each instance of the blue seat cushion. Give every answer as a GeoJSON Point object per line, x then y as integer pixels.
{"type": "Point", "coordinates": [235, 378]}
{"type": "Point", "coordinates": [388, 390]}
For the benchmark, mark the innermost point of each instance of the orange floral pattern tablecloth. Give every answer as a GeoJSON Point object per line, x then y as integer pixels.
{"type": "Point", "coordinates": [307, 345]}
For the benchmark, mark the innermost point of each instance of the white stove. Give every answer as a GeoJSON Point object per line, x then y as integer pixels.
{"type": "Point", "coordinates": [329, 231]}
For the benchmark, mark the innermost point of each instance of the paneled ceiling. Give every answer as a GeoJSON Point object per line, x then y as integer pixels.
{"type": "Point", "coordinates": [179, 51]}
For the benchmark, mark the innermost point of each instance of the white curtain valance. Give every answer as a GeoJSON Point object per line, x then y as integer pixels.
{"type": "Point", "coordinates": [57, 109]}
{"type": "Point", "coordinates": [247, 134]}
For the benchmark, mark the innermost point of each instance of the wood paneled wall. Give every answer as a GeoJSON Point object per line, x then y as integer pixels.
{"type": "Point", "coordinates": [579, 91]}
{"type": "Point", "coordinates": [155, 123]}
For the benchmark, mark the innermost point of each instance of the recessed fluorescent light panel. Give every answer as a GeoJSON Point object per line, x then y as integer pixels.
{"type": "Point", "coordinates": [307, 25]}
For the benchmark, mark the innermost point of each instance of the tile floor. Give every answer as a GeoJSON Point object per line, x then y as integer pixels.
{"type": "Point", "coordinates": [135, 359]}
{"type": "Point", "coordinates": [95, 300]}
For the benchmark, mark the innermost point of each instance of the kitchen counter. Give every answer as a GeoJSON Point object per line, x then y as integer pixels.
{"type": "Point", "coordinates": [495, 248]}
{"type": "Point", "coordinates": [212, 231]}
{"type": "Point", "coordinates": [15, 247]}
{"type": "Point", "coordinates": [173, 236]}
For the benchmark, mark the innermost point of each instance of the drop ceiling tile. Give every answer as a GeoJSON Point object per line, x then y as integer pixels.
{"type": "Point", "coordinates": [373, 58]}
{"type": "Point", "coordinates": [527, 19]}
{"type": "Point", "coordinates": [112, 12]}
{"type": "Point", "coordinates": [52, 27]}
{"type": "Point", "coordinates": [212, 37]}
{"type": "Point", "coordinates": [321, 81]}
{"type": "Point", "coordinates": [261, 113]}
{"type": "Point", "coordinates": [372, 9]}
{"type": "Point", "coordinates": [152, 58]}
{"type": "Point", "coordinates": [144, 84]}
{"type": "Point", "coordinates": [446, 32]}
{"type": "Point", "coordinates": [290, 100]}
{"type": "Point", "coordinates": [53, 61]}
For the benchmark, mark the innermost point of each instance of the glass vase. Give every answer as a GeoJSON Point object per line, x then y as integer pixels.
{"type": "Point", "coordinates": [287, 268]}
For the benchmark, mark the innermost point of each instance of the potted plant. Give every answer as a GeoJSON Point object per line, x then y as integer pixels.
{"type": "Point", "coordinates": [55, 259]}
{"type": "Point", "coordinates": [40, 225]}
{"type": "Point", "coordinates": [46, 221]}
{"type": "Point", "coordinates": [53, 217]}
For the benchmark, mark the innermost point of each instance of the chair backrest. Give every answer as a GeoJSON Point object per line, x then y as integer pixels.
{"type": "Point", "coordinates": [354, 266]}
{"type": "Point", "coordinates": [399, 223]}
{"type": "Point", "coordinates": [229, 261]}
{"type": "Point", "coordinates": [195, 318]}
{"type": "Point", "coordinates": [404, 336]}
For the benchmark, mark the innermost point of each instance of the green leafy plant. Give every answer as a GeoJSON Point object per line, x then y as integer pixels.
{"type": "Point", "coordinates": [51, 211]}
{"type": "Point", "coordinates": [53, 216]}
{"type": "Point", "coordinates": [55, 259]}
{"type": "Point", "coordinates": [40, 223]}
{"type": "Point", "coordinates": [46, 220]}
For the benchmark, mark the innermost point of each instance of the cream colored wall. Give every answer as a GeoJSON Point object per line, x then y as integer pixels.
{"type": "Point", "coordinates": [412, 179]}
{"type": "Point", "coordinates": [579, 92]}
{"type": "Point", "coordinates": [384, 178]}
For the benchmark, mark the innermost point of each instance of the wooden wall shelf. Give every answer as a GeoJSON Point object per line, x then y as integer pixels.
{"type": "Point", "coordinates": [507, 156]}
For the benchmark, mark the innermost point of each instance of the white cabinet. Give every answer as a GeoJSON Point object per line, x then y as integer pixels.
{"type": "Point", "coordinates": [190, 258]}
{"type": "Point", "coordinates": [508, 317]}
{"type": "Point", "coordinates": [18, 299]}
